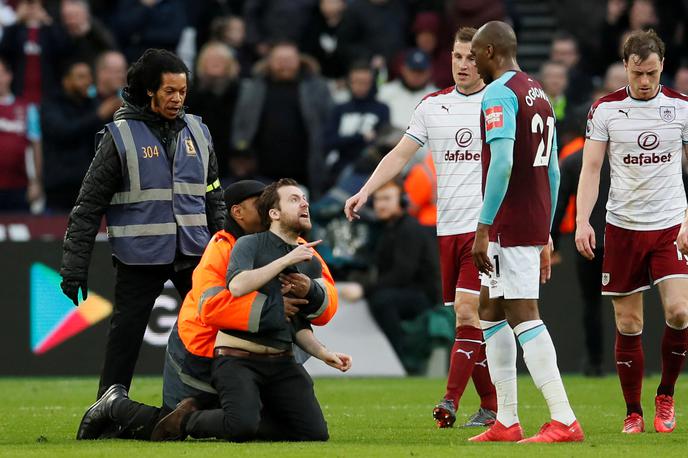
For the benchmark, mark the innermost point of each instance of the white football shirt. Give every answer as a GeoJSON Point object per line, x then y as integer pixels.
{"type": "Point", "coordinates": [645, 143]}
{"type": "Point", "coordinates": [450, 123]}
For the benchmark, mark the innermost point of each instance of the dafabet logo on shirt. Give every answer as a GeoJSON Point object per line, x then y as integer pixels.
{"type": "Point", "coordinates": [54, 319]}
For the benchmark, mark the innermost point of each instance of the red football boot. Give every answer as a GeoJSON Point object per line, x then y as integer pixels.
{"type": "Point", "coordinates": [500, 433]}
{"type": "Point", "coordinates": [665, 418]}
{"type": "Point", "coordinates": [556, 431]}
{"type": "Point", "coordinates": [634, 424]}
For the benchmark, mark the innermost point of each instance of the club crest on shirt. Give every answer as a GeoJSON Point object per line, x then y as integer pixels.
{"type": "Point", "coordinates": [190, 149]}
{"type": "Point", "coordinates": [605, 278]}
{"type": "Point", "coordinates": [667, 114]}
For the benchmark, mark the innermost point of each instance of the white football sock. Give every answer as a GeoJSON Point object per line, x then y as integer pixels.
{"type": "Point", "coordinates": [500, 347]}
{"type": "Point", "coordinates": [541, 359]}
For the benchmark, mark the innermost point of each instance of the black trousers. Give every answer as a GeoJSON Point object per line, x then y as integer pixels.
{"type": "Point", "coordinates": [261, 398]}
{"type": "Point", "coordinates": [136, 289]}
{"type": "Point", "coordinates": [391, 306]}
{"type": "Point", "coordinates": [135, 420]}
{"type": "Point", "coordinates": [590, 281]}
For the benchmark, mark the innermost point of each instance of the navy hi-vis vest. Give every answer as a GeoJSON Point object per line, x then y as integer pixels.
{"type": "Point", "coordinates": [160, 207]}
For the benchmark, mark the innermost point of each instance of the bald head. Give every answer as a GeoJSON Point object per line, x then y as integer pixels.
{"type": "Point", "coordinates": [500, 36]}
{"type": "Point", "coordinates": [494, 47]}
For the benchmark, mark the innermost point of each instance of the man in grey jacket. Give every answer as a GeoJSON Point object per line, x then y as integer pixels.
{"type": "Point", "coordinates": [283, 110]}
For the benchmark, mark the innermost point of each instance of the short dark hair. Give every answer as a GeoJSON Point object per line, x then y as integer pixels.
{"type": "Point", "coordinates": [360, 64]}
{"type": "Point", "coordinates": [146, 73]}
{"type": "Point", "coordinates": [283, 42]}
{"type": "Point", "coordinates": [269, 199]}
{"type": "Point", "coordinates": [6, 65]}
{"type": "Point", "coordinates": [68, 65]}
{"type": "Point", "coordinates": [564, 36]}
{"type": "Point", "coordinates": [465, 34]}
{"type": "Point", "coordinates": [642, 43]}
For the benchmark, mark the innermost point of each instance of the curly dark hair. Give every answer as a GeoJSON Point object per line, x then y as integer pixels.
{"type": "Point", "coordinates": [269, 199]}
{"type": "Point", "coordinates": [146, 74]}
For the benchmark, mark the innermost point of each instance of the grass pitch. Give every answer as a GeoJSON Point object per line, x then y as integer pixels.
{"type": "Point", "coordinates": [367, 417]}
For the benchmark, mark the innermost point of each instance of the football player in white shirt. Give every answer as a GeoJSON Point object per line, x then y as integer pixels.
{"type": "Point", "coordinates": [644, 126]}
{"type": "Point", "coordinates": [449, 120]}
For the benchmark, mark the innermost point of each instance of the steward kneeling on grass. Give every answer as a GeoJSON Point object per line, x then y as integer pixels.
{"type": "Point", "coordinates": [264, 393]}
{"type": "Point", "coordinates": [208, 307]}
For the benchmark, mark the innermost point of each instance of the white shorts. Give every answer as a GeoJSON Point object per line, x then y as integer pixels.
{"type": "Point", "coordinates": [516, 272]}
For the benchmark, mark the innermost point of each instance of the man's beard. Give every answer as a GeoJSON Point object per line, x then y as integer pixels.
{"type": "Point", "coordinates": [295, 226]}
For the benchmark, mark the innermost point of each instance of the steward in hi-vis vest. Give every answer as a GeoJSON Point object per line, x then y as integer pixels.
{"type": "Point", "coordinates": [154, 177]}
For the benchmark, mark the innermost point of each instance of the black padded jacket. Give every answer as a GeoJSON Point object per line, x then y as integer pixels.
{"type": "Point", "coordinates": [104, 178]}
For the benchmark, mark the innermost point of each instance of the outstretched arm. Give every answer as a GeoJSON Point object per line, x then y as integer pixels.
{"type": "Point", "coordinates": [308, 343]}
{"type": "Point", "coordinates": [389, 167]}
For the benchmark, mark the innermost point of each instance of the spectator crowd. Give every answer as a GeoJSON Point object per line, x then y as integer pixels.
{"type": "Point", "coordinates": [315, 90]}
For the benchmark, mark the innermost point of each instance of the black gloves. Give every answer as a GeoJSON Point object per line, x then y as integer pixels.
{"type": "Point", "coordinates": [70, 288]}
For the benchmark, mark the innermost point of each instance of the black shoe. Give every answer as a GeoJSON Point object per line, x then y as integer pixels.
{"type": "Point", "coordinates": [99, 415]}
{"type": "Point", "coordinates": [170, 427]}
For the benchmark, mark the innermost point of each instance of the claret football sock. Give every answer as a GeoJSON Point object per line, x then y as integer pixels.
{"type": "Point", "coordinates": [541, 359]}
{"type": "Point", "coordinates": [500, 347]}
{"type": "Point", "coordinates": [630, 364]}
{"type": "Point", "coordinates": [465, 353]}
{"type": "Point", "coordinates": [483, 383]}
{"type": "Point", "coordinates": [674, 347]}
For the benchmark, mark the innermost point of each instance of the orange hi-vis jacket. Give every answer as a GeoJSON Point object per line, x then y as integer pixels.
{"type": "Point", "coordinates": [210, 306]}
{"type": "Point", "coordinates": [568, 224]}
{"type": "Point", "coordinates": [421, 188]}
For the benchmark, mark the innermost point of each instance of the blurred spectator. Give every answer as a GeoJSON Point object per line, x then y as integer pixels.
{"type": "Point", "coordinates": [374, 30]}
{"type": "Point", "coordinates": [428, 35]}
{"type": "Point", "coordinates": [355, 124]}
{"type": "Point", "coordinates": [269, 21]}
{"type": "Point", "coordinates": [621, 19]}
{"type": "Point", "coordinates": [565, 50]}
{"type": "Point", "coordinates": [142, 24]}
{"type": "Point", "coordinates": [554, 81]}
{"type": "Point", "coordinates": [111, 74]}
{"type": "Point", "coordinates": [86, 36]}
{"type": "Point", "coordinates": [320, 38]}
{"type": "Point", "coordinates": [20, 135]}
{"type": "Point", "coordinates": [33, 48]}
{"type": "Point", "coordinates": [69, 123]}
{"type": "Point", "coordinates": [614, 78]}
{"type": "Point", "coordinates": [402, 95]}
{"type": "Point", "coordinates": [405, 281]}
{"type": "Point", "coordinates": [231, 30]}
{"type": "Point", "coordinates": [681, 80]}
{"type": "Point", "coordinates": [7, 16]}
{"type": "Point", "coordinates": [212, 10]}
{"type": "Point", "coordinates": [474, 13]}
{"type": "Point", "coordinates": [213, 97]}
{"type": "Point", "coordinates": [283, 111]}
{"type": "Point", "coordinates": [586, 32]}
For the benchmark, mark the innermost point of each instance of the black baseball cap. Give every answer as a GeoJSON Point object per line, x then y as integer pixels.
{"type": "Point", "coordinates": [239, 191]}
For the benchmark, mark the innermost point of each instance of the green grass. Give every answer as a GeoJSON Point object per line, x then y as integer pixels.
{"type": "Point", "coordinates": [367, 417]}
